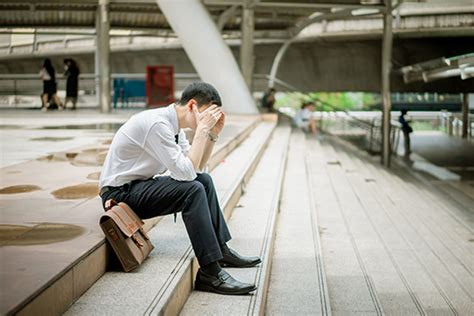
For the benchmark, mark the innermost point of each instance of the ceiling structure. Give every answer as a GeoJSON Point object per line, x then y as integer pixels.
{"type": "Point", "coordinates": [67, 28]}
{"type": "Point", "coordinates": [275, 15]}
{"type": "Point", "coordinates": [275, 20]}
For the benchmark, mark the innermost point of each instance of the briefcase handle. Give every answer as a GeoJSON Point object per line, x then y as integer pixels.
{"type": "Point", "coordinates": [109, 204]}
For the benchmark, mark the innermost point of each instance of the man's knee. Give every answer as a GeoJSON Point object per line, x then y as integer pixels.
{"type": "Point", "coordinates": [195, 187]}
{"type": "Point", "coordinates": [205, 179]}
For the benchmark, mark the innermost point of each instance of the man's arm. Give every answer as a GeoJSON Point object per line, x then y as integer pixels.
{"type": "Point", "coordinates": [215, 131]}
{"type": "Point", "coordinates": [207, 154]}
{"type": "Point", "coordinates": [201, 149]}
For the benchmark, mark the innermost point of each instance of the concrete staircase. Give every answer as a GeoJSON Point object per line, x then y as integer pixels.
{"type": "Point", "coordinates": [355, 238]}
{"type": "Point", "coordinates": [390, 244]}
{"type": "Point", "coordinates": [338, 234]}
{"type": "Point", "coordinates": [297, 246]}
{"type": "Point", "coordinates": [253, 225]}
{"type": "Point", "coordinates": [164, 282]}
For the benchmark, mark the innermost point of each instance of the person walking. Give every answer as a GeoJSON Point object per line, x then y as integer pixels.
{"type": "Point", "coordinates": [407, 130]}
{"type": "Point", "coordinates": [152, 142]}
{"type": "Point", "coordinates": [48, 75]}
{"type": "Point", "coordinates": [72, 82]}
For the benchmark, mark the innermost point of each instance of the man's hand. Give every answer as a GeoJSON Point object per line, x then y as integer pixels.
{"type": "Point", "coordinates": [217, 129]}
{"type": "Point", "coordinates": [208, 118]}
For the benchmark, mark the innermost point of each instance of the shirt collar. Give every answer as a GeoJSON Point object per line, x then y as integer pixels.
{"type": "Point", "coordinates": [173, 116]}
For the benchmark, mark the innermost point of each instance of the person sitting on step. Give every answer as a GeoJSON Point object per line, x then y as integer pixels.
{"type": "Point", "coordinates": [304, 118]}
{"type": "Point", "coordinates": [152, 142]}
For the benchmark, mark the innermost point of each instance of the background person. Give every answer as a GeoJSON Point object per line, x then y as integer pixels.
{"type": "Point", "coordinates": [268, 100]}
{"type": "Point", "coordinates": [48, 75]}
{"type": "Point", "coordinates": [407, 130]}
{"type": "Point", "coordinates": [304, 118]}
{"type": "Point", "coordinates": [72, 82]}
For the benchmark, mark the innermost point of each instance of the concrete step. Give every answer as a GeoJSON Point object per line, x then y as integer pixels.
{"type": "Point", "coordinates": [298, 280]}
{"type": "Point", "coordinates": [343, 237]}
{"type": "Point", "coordinates": [447, 233]}
{"type": "Point", "coordinates": [461, 192]}
{"type": "Point", "coordinates": [163, 283]}
{"type": "Point", "coordinates": [47, 277]}
{"type": "Point", "coordinates": [439, 254]}
{"type": "Point", "coordinates": [253, 226]}
{"type": "Point", "coordinates": [429, 257]}
{"type": "Point", "coordinates": [427, 270]}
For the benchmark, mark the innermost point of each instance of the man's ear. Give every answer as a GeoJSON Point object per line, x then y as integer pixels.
{"type": "Point", "coordinates": [190, 105]}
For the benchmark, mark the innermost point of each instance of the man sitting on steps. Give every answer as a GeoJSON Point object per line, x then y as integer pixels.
{"type": "Point", "coordinates": [152, 142]}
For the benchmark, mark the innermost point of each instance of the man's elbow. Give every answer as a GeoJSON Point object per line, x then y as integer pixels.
{"type": "Point", "coordinates": [184, 176]}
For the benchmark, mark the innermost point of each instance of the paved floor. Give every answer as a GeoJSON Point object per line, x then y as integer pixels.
{"type": "Point", "coordinates": [30, 134]}
{"type": "Point", "coordinates": [51, 164]}
{"type": "Point", "coordinates": [451, 152]}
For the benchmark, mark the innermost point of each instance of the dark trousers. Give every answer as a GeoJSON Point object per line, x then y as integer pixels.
{"type": "Point", "coordinates": [406, 137]}
{"type": "Point", "coordinates": [196, 200]}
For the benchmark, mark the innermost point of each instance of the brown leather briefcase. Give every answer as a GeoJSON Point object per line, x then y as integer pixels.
{"type": "Point", "coordinates": [124, 231]}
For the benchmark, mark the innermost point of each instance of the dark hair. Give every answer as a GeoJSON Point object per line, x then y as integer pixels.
{"type": "Point", "coordinates": [73, 67]}
{"type": "Point", "coordinates": [404, 111]}
{"type": "Point", "coordinates": [202, 92]}
{"type": "Point", "coordinates": [306, 104]}
{"type": "Point", "coordinates": [49, 68]}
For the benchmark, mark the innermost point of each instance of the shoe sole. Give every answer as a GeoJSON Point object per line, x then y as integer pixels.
{"type": "Point", "coordinates": [206, 288]}
{"type": "Point", "coordinates": [227, 265]}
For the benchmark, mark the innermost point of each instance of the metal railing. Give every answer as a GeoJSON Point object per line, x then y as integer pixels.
{"type": "Point", "coordinates": [452, 123]}
{"type": "Point", "coordinates": [365, 130]}
{"type": "Point", "coordinates": [19, 90]}
{"type": "Point", "coordinates": [25, 89]}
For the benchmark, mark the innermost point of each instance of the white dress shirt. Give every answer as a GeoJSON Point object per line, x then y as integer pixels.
{"type": "Point", "coordinates": [145, 146]}
{"type": "Point", "coordinates": [302, 117]}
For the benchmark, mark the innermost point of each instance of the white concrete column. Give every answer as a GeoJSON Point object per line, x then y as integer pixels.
{"type": "Point", "coordinates": [102, 55]}
{"type": "Point", "coordinates": [208, 52]}
{"type": "Point", "coordinates": [246, 47]}
{"type": "Point", "coordinates": [386, 68]}
{"type": "Point", "coordinates": [33, 48]}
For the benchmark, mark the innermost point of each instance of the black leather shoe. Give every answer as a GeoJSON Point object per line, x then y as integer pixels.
{"type": "Point", "coordinates": [223, 283]}
{"type": "Point", "coordinates": [234, 260]}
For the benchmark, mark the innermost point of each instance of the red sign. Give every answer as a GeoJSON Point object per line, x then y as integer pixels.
{"type": "Point", "coordinates": [159, 85]}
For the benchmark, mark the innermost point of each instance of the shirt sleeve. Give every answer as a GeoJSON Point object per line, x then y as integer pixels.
{"type": "Point", "coordinates": [183, 142]}
{"type": "Point", "coordinates": [161, 144]}
{"type": "Point", "coordinates": [185, 147]}
{"type": "Point", "coordinates": [297, 118]}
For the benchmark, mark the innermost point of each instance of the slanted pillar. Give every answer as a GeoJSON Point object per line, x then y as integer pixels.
{"type": "Point", "coordinates": [246, 48]}
{"type": "Point", "coordinates": [465, 114]}
{"type": "Point", "coordinates": [102, 55]}
{"type": "Point", "coordinates": [386, 68]}
{"type": "Point", "coordinates": [208, 52]}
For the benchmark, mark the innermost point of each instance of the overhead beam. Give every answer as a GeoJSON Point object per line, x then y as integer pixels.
{"type": "Point", "coordinates": [296, 30]}
{"type": "Point", "coordinates": [228, 14]}
{"type": "Point", "coordinates": [293, 4]}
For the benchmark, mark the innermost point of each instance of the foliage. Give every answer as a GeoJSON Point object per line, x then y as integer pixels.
{"type": "Point", "coordinates": [327, 101]}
